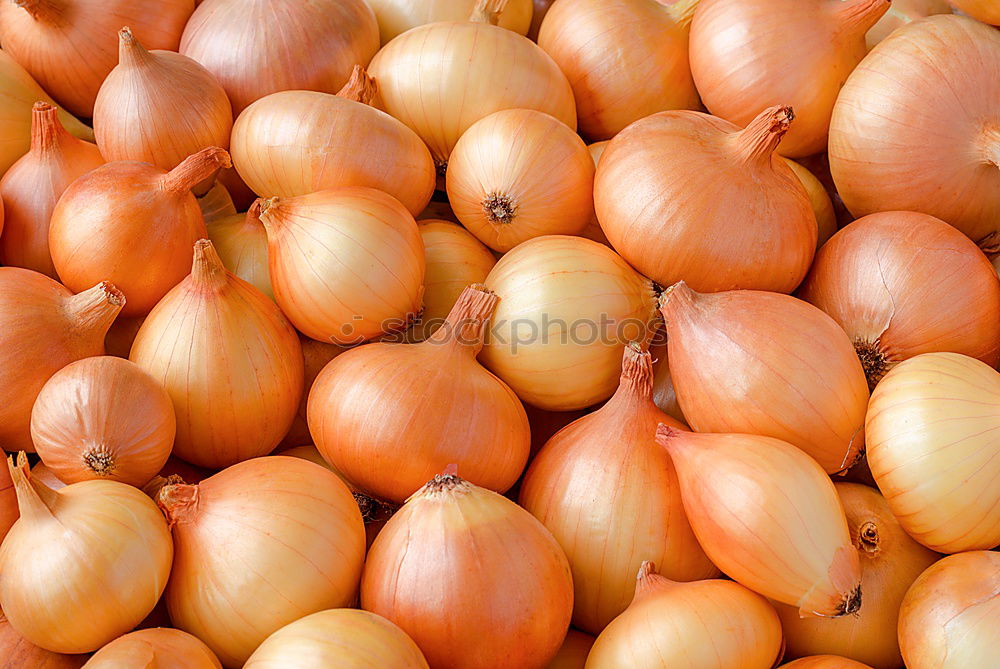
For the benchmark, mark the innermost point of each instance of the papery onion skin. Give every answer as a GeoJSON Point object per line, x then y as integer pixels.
{"type": "Point", "coordinates": [216, 204]}
{"type": "Point", "coordinates": [347, 264]}
{"type": "Point", "coordinates": [902, 284]}
{"type": "Point", "coordinates": [397, 16]}
{"type": "Point", "coordinates": [826, 36]}
{"type": "Point", "coordinates": [259, 545]}
{"type": "Point", "coordinates": [342, 638]}
{"type": "Point", "coordinates": [32, 186]}
{"type": "Point", "coordinates": [44, 475]}
{"type": "Point", "coordinates": [625, 59]}
{"type": "Point", "coordinates": [18, 652]}
{"type": "Point", "coordinates": [933, 449]}
{"type": "Point", "coordinates": [573, 652]}
{"type": "Point", "coordinates": [824, 662]}
{"type": "Point", "coordinates": [103, 418]}
{"type": "Point", "coordinates": [789, 539]}
{"type": "Point", "coordinates": [471, 577]}
{"type": "Point", "coordinates": [161, 648]}
{"type": "Point", "coordinates": [107, 555]}
{"type": "Point", "coordinates": [258, 47]}
{"type": "Point", "coordinates": [805, 385]}
{"type": "Point", "coordinates": [241, 242]}
{"type": "Point", "coordinates": [711, 624]}
{"type": "Point", "coordinates": [982, 10]}
{"type": "Point", "coordinates": [819, 199]}
{"type": "Point", "coordinates": [948, 617]}
{"type": "Point", "coordinates": [609, 494]}
{"type": "Point", "coordinates": [518, 174]}
{"type": "Point", "coordinates": [316, 355]}
{"type": "Point", "coordinates": [685, 195]}
{"type": "Point", "coordinates": [45, 327]}
{"type": "Point", "coordinates": [565, 282]}
{"type": "Point", "coordinates": [230, 361]}
{"type": "Point", "coordinates": [890, 562]}
{"type": "Point", "coordinates": [915, 128]}
{"type": "Point", "coordinates": [901, 13]}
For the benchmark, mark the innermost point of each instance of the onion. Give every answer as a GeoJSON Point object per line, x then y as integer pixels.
{"type": "Point", "coordinates": [819, 199]}
{"type": "Point", "coordinates": [103, 418]}
{"type": "Point", "coordinates": [228, 358]}
{"type": "Point", "coordinates": [241, 242]}
{"type": "Point", "coordinates": [933, 452]}
{"type": "Point", "coordinates": [471, 577]}
{"type": "Point", "coordinates": [258, 47]}
{"type": "Point", "coordinates": [159, 107]}
{"type": "Point", "coordinates": [68, 46]}
{"type": "Point", "coordinates": [519, 174]}
{"type": "Point", "coordinates": [347, 264]}
{"type": "Point", "coordinates": [901, 284]}
{"type": "Point", "coordinates": [900, 13]}
{"type": "Point", "coordinates": [769, 517]}
{"type": "Point", "coordinates": [316, 355]}
{"type": "Point", "coordinates": [45, 327]}
{"type": "Point", "coordinates": [624, 59]}
{"type": "Point", "coordinates": [712, 624]}
{"type": "Point", "coordinates": [100, 228]}
{"type": "Point", "coordinates": [434, 397]}
{"type": "Point", "coordinates": [915, 129]}
{"type": "Point", "coordinates": [240, 193]}
{"type": "Point", "coordinates": [159, 648]}
{"type": "Point", "coordinates": [948, 617]}
{"type": "Point", "coordinates": [259, 545]}
{"type": "Point", "coordinates": [664, 393]}
{"type": "Point", "coordinates": [587, 301]}
{"type": "Point", "coordinates": [216, 204]}
{"type": "Point", "coordinates": [827, 38]}
{"type": "Point", "coordinates": [824, 662]}
{"type": "Point", "coordinates": [441, 78]}
{"type": "Point", "coordinates": [983, 10]}
{"type": "Point", "coordinates": [298, 142]}
{"type": "Point", "coordinates": [82, 565]}
{"type": "Point", "coordinates": [610, 501]}
{"type": "Point", "coordinates": [17, 652]}
{"type": "Point", "coordinates": [799, 378]}
{"type": "Point", "coordinates": [343, 638]}
{"type": "Point", "coordinates": [32, 186]}
{"type": "Point", "coordinates": [397, 16]}
{"type": "Point", "coordinates": [573, 652]}
{"type": "Point", "coordinates": [42, 474]}
{"type": "Point", "coordinates": [684, 195]}
{"type": "Point", "coordinates": [890, 562]}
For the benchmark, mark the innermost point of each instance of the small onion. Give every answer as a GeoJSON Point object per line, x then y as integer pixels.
{"type": "Point", "coordinates": [902, 12]}
{"type": "Point", "coordinates": [342, 638]}
{"type": "Point", "coordinates": [471, 577]}
{"type": "Point", "coordinates": [19, 653]}
{"type": "Point", "coordinates": [573, 652]}
{"type": "Point", "coordinates": [216, 203]}
{"type": "Point", "coordinates": [519, 174]}
{"type": "Point", "coordinates": [397, 16]}
{"type": "Point", "coordinates": [712, 624]}
{"type": "Point", "coordinates": [259, 545]}
{"type": "Point", "coordinates": [933, 450]}
{"type": "Point", "coordinates": [825, 662]}
{"type": "Point", "coordinates": [819, 199]}
{"type": "Point", "coordinates": [241, 242]}
{"type": "Point", "coordinates": [316, 355]}
{"type": "Point", "coordinates": [986, 11]}
{"type": "Point", "coordinates": [156, 648]}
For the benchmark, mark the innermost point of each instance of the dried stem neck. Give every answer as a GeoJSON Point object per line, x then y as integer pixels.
{"type": "Point", "coordinates": [677, 296]}
{"type": "Point", "coordinates": [374, 510]}
{"type": "Point", "coordinates": [500, 208]}
{"type": "Point", "coordinates": [130, 52]}
{"type": "Point", "coordinates": [682, 11]}
{"type": "Point", "coordinates": [466, 322]}
{"type": "Point", "coordinates": [488, 11]}
{"type": "Point", "coordinates": [851, 603]}
{"type": "Point", "coordinates": [178, 502]}
{"type": "Point", "coordinates": [873, 360]}
{"type": "Point", "coordinates": [447, 482]}
{"type": "Point", "coordinates": [94, 310]}
{"type": "Point", "coordinates": [647, 581]}
{"type": "Point", "coordinates": [637, 372]}
{"type": "Point", "coordinates": [207, 269]}
{"type": "Point", "coordinates": [47, 131]}
{"type": "Point", "coordinates": [195, 169]}
{"type": "Point", "coordinates": [100, 460]}
{"type": "Point", "coordinates": [868, 541]}
{"type": "Point", "coordinates": [756, 142]}
{"type": "Point", "coordinates": [856, 17]}
{"type": "Point", "coordinates": [35, 500]}
{"type": "Point", "coordinates": [361, 87]}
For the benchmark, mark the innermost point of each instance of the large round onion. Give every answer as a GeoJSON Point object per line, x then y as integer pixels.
{"type": "Point", "coordinates": [156, 648]}
{"type": "Point", "coordinates": [397, 16]}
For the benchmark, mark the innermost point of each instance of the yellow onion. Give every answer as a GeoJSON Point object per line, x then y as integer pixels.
{"type": "Point", "coordinates": [711, 624]}
{"type": "Point", "coordinates": [664, 393]}
{"type": "Point", "coordinates": [902, 12]}
{"type": "Point", "coordinates": [216, 203]}
{"type": "Point", "coordinates": [259, 545]}
{"type": "Point", "coordinates": [625, 59]}
{"type": "Point", "coordinates": [107, 555]}
{"type": "Point", "coordinates": [158, 648]}
{"type": "Point", "coordinates": [984, 10]}
{"type": "Point", "coordinates": [902, 284]}
{"type": "Point", "coordinates": [103, 418]}
{"type": "Point", "coordinates": [440, 78]}
{"type": "Point", "coordinates": [568, 306]}
{"type": "Point", "coordinates": [298, 142]}
{"type": "Point", "coordinates": [799, 378]}
{"type": "Point", "coordinates": [825, 662]}
{"type": "Point", "coordinates": [342, 638]}
{"type": "Point", "coordinates": [609, 495]}
{"type": "Point", "coordinates": [819, 199]}
{"type": "Point", "coordinates": [229, 359]}
{"type": "Point", "coordinates": [769, 517]}
{"type": "Point", "coordinates": [18, 652]}
{"type": "Point", "coordinates": [948, 619]}
{"type": "Point", "coordinates": [471, 577]}
{"type": "Point", "coordinates": [241, 242]}
{"type": "Point", "coordinates": [573, 652]}
{"type": "Point", "coordinates": [933, 449]}
{"type": "Point", "coordinates": [826, 36]}
{"type": "Point", "coordinates": [890, 562]}
{"type": "Point", "coordinates": [347, 264]}
{"type": "Point", "coordinates": [685, 195]}
{"type": "Point", "coordinates": [32, 186]}
{"type": "Point", "coordinates": [397, 16]}
{"type": "Point", "coordinates": [45, 327]}
{"type": "Point", "coordinates": [916, 128]}
{"type": "Point", "coordinates": [519, 174]}
{"type": "Point", "coordinates": [257, 47]}
{"type": "Point", "coordinates": [315, 355]}
{"type": "Point", "coordinates": [102, 227]}
{"type": "Point", "coordinates": [434, 397]}
{"type": "Point", "coordinates": [159, 107]}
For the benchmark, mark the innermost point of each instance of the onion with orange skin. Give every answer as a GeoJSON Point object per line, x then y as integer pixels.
{"type": "Point", "coordinates": [216, 203]}
{"type": "Point", "coordinates": [819, 199]}
{"type": "Point", "coordinates": [711, 624]}
{"type": "Point", "coordinates": [685, 195]}
{"type": "Point", "coordinates": [824, 662]}
{"type": "Point", "coordinates": [315, 355]}
{"type": "Point", "coordinates": [161, 648]}
{"type": "Point", "coordinates": [395, 17]}
{"type": "Point", "coordinates": [471, 577]}
{"type": "Point", "coordinates": [769, 517]}
{"type": "Point", "coordinates": [981, 10]}
{"type": "Point", "coordinates": [241, 242]}
{"type": "Point", "coordinates": [573, 652]}
{"type": "Point", "coordinates": [32, 186]}
{"type": "Point", "coordinates": [949, 616]}
{"type": "Point", "coordinates": [827, 38]}
{"type": "Point", "coordinates": [901, 13]}
{"type": "Point", "coordinates": [101, 230]}
{"type": "Point", "coordinates": [18, 652]}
